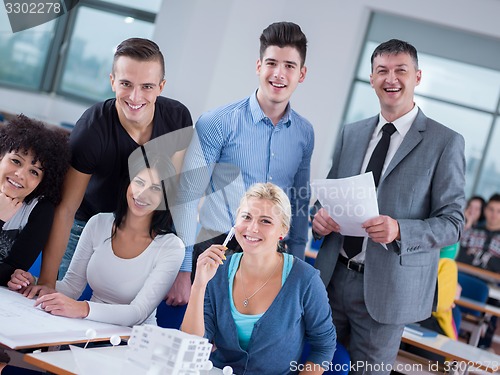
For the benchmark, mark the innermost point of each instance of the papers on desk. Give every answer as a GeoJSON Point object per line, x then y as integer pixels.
{"type": "Point", "coordinates": [349, 201]}
{"type": "Point", "coordinates": [418, 330]}
{"type": "Point", "coordinates": [22, 325]}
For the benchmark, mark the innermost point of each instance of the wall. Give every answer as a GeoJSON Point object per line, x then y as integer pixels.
{"type": "Point", "coordinates": [211, 48]}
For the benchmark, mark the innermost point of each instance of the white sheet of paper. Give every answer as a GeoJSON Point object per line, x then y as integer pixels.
{"type": "Point", "coordinates": [349, 201]}
{"type": "Point", "coordinates": [23, 325]}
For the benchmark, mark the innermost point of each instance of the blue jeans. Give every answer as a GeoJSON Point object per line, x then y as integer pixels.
{"type": "Point", "coordinates": [74, 237]}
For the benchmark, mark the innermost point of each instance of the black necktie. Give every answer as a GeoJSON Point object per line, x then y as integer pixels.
{"type": "Point", "coordinates": [353, 245]}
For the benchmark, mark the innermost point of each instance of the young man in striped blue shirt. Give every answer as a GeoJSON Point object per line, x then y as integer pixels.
{"type": "Point", "coordinates": [257, 139]}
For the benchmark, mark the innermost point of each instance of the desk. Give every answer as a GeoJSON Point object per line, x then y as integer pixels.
{"type": "Point", "coordinates": [63, 363]}
{"type": "Point", "coordinates": [412, 364]}
{"type": "Point", "coordinates": [475, 305]}
{"type": "Point", "coordinates": [26, 327]}
{"type": "Point", "coordinates": [455, 350]}
{"type": "Point", "coordinates": [494, 292]}
{"type": "Point", "coordinates": [479, 272]}
{"type": "Point", "coordinates": [488, 310]}
{"type": "Point", "coordinates": [492, 278]}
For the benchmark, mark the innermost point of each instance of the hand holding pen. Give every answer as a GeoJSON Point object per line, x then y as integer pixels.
{"type": "Point", "coordinates": [210, 260]}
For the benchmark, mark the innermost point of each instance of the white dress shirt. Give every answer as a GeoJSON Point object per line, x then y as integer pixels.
{"type": "Point", "coordinates": [402, 126]}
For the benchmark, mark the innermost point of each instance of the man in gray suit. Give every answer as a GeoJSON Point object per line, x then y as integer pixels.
{"type": "Point", "coordinates": [420, 196]}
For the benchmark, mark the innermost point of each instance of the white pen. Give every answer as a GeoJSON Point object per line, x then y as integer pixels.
{"type": "Point", "coordinates": [228, 237]}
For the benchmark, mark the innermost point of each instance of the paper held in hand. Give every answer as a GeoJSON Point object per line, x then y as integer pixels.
{"type": "Point", "coordinates": [349, 201]}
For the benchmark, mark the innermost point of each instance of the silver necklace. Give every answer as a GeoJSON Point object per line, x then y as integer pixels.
{"type": "Point", "coordinates": [245, 301]}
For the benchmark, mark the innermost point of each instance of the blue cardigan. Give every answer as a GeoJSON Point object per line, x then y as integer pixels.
{"type": "Point", "coordinates": [299, 311]}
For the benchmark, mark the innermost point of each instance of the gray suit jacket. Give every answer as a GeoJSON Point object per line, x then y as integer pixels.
{"type": "Point", "coordinates": [423, 189]}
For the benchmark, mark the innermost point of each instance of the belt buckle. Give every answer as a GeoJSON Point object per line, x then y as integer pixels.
{"type": "Point", "coordinates": [354, 264]}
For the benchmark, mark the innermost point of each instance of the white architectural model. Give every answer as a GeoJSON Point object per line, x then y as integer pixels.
{"type": "Point", "coordinates": [168, 351]}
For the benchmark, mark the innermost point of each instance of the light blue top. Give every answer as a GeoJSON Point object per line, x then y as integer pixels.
{"type": "Point", "coordinates": [245, 322]}
{"type": "Point", "coordinates": [234, 147]}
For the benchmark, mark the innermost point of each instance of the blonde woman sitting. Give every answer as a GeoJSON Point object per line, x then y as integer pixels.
{"type": "Point", "coordinates": [259, 306]}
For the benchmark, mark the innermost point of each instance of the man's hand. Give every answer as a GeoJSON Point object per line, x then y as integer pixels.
{"type": "Point", "coordinates": [8, 207]}
{"type": "Point", "coordinates": [323, 224]}
{"type": "Point", "coordinates": [61, 305]}
{"type": "Point", "coordinates": [382, 229]}
{"type": "Point", "coordinates": [180, 290]}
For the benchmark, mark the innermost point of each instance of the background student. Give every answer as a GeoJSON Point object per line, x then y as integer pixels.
{"type": "Point", "coordinates": [258, 306]}
{"type": "Point", "coordinates": [130, 258]}
{"type": "Point", "coordinates": [257, 139]}
{"type": "Point", "coordinates": [474, 212]}
{"type": "Point", "coordinates": [33, 161]}
{"type": "Point", "coordinates": [474, 217]}
{"type": "Point", "coordinates": [480, 247]}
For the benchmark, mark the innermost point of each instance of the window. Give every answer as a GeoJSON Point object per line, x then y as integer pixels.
{"type": "Point", "coordinates": [460, 88]}
{"type": "Point", "coordinates": [72, 55]}
{"type": "Point", "coordinates": [489, 181]}
{"type": "Point", "coordinates": [88, 64]}
{"type": "Point", "coordinates": [24, 54]}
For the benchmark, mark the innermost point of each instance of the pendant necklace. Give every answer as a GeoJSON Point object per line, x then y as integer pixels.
{"type": "Point", "coordinates": [247, 299]}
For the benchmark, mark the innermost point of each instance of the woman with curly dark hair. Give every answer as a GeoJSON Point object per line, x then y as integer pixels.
{"type": "Point", "coordinates": [33, 161]}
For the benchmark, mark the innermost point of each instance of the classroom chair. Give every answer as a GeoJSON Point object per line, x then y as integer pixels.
{"type": "Point", "coordinates": [475, 289]}
{"type": "Point", "coordinates": [340, 363]}
{"type": "Point", "coordinates": [35, 267]}
{"type": "Point", "coordinates": [170, 316]}
{"type": "Point", "coordinates": [457, 317]}
{"type": "Point", "coordinates": [35, 271]}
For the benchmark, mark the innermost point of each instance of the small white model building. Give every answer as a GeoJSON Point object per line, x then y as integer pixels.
{"type": "Point", "coordinates": [168, 351]}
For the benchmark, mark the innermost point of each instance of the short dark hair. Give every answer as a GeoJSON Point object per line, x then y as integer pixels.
{"type": "Point", "coordinates": [284, 34]}
{"type": "Point", "coordinates": [393, 47]}
{"type": "Point", "coordinates": [140, 49]}
{"type": "Point", "coordinates": [494, 198]}
{"type": "Point", "coordinates": [49, 145]}
{"type": "Point", "coordinates": [161, 222]}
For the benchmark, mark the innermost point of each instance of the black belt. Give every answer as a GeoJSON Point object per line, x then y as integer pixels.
{"type": "Point", "coordinates": [351, 265]}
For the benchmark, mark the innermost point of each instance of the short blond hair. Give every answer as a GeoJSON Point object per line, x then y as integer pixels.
{"type": "Point", "coordinates": [274, 194]}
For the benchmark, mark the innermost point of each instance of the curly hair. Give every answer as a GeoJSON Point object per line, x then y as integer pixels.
{"type": "Point", "coordinates": [49, 145]}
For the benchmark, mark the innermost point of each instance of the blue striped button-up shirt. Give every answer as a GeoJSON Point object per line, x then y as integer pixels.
{"type": "Point", "coordinates": [241, 146]}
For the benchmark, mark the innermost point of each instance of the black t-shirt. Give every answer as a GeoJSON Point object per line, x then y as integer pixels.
{"type": "Point", "coordinates": [101, 146]}
{"type": "Point", "coordinates": [19, 248]}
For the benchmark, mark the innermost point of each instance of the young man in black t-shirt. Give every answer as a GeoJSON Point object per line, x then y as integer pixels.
{"type": "Point", "coordinates": [101, 142]}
